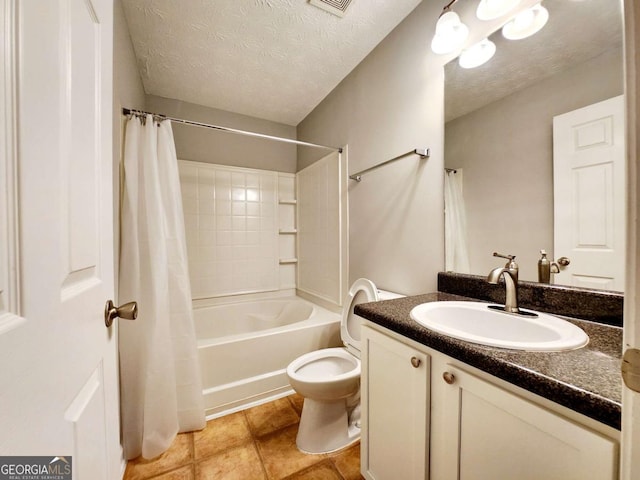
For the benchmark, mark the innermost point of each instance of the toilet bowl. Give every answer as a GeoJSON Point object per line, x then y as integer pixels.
{"type": "Point", "coordinates": [329, 381]}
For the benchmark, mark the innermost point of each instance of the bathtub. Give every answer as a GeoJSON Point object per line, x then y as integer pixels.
{"type": "Point", "coordinates": [244, 348]}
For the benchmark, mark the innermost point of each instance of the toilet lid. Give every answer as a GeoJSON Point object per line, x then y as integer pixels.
{"type": "Point", "coordinates": [361, 291]}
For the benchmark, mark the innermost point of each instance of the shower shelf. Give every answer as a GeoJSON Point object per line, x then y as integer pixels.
{"type": "Point", "coordinates": [288, 231]}
{"type": "Point", "coordinates": [288, 202]}
{"type": "Point", "coordinates": [284, 261]}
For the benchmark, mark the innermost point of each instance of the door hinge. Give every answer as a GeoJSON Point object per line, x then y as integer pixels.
{"type": "Point", "coordinates": [631, 369]}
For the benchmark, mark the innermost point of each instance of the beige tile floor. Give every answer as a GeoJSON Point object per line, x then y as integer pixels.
{"type": "Point", "coordinates": [255, 444]}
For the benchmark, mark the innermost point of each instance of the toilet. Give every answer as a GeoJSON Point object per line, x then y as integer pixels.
{"type": "Point", "coordinates": [329, 381]}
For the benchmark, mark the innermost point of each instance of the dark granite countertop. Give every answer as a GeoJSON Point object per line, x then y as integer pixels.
{"type": "Point", "coordinates": [586, 380]}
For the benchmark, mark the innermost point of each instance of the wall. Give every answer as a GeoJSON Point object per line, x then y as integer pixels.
{"type": "Point", "coordinates": [127, 84]}
{"type": "Point", "coordinates": [127, 92]}
{"type": "Point", "coordinates": [231, 226]}
{"type": "Point", "coordinates": [505, 150]}
{"type": "Point", "coordinates": [390, 104]}
{"type": "Point", "coordinates": [321, 251]}
{"type": "Point", "coordinates": [211, 146]}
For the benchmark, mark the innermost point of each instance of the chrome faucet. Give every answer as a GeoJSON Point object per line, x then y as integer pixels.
{"type": "Point", "coordinates": [510, 274]}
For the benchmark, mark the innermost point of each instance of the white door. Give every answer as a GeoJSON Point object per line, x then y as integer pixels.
{"type": "Point", "coordinates": [589, 195]}
{"type": "Point", "coordinates": [58, 372]}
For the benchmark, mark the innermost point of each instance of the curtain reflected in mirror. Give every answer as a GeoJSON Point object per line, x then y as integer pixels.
{"type": "Point", "coordinates": [455, 224]}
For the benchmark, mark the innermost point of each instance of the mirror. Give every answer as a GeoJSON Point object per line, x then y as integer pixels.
{"type": "Point", "coordinates": [499, 127]}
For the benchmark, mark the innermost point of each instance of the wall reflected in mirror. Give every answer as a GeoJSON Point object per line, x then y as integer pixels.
{"type": "Point", "coordinates": [499, 128]}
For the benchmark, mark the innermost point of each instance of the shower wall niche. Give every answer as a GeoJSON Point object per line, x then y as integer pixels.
{"type": "Point", "coordinates": [288, 230]}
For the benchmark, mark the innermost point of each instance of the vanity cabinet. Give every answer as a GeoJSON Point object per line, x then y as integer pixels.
{"type": "Point", "coordinates": [473, 429]}
{"type": "Point", "coordinates": [499, 435]}
{"type": "Point", "coordinates": [395, 409]}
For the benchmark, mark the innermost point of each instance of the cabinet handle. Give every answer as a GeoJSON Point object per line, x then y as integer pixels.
{"type": "Point", "coordinates": [415, 361]}
{"type": "Point", "coordinates": [449, 377]}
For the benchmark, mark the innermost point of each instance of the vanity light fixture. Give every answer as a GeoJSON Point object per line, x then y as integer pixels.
{"type": "Point", "coordinates": [491, 9]}
{"type": "Point", "coordinates": [477, 54]}
{"type": "Point", "coordinates": [450, 34]}
{"type": "Point", "coordinates": [526, 23]}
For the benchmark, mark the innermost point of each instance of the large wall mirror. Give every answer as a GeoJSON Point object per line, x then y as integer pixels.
{"type": "Point", "coordinates": [499, 139]}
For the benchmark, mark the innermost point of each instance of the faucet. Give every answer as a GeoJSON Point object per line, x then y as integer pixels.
{"type": "Point", "coordinates": [510, 274]}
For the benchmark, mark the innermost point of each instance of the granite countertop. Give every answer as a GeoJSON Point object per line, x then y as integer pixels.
{"type": "Point", "coordinates": [586, 380]}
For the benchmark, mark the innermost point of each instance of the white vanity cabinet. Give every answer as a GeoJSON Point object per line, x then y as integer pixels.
{"type": "Point", "coordinates": [499, 435]}
{"type": "Point", "coordinates": [473, 429]}
{"type": "Point", "coordinates": [395, 409]}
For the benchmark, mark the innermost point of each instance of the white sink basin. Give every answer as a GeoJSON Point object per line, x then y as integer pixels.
{"type": "Point", "coordinates": [476, 323]}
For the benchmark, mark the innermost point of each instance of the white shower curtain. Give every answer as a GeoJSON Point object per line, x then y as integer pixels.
{"type": "Point", "coordinates": [161, 389]}
{"type": "Point", "coordinates": [455, 228]}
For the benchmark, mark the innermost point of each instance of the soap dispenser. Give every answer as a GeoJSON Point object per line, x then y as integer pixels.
{"type": "Point", "coordinates": [544, 268]}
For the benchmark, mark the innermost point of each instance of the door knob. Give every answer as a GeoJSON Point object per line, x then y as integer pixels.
{"type": "Point", "coordinates": [415, 361]}
{"type": "Point", "coordinates": [128, 311]}
{"type": "Point", "coordinates": [563, 261]}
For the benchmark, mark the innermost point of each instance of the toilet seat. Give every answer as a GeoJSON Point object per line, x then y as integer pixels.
{"type": "Point", "coordinates": [328, 362]}
{"type": "Point", "coordinates": [362, 291]}
{"type": "Point", "coordinates": [327, 374]}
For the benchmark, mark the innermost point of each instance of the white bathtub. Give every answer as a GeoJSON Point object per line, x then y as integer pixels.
{"type": "Point", "coordinates": [244, 348]}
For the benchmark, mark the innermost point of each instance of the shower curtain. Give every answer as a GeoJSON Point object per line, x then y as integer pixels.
{"type": "Point", "coordinates": [455, 228]}
{"type": "Point", "coordinates": [161, 390]}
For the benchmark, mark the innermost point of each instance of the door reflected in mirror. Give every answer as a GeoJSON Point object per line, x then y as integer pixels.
{"type": "Point", "coordinates": [499, 139]}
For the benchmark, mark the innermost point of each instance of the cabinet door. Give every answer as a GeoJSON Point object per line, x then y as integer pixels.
{"type": "Point", "coordinates": [499, 435]}
{"type": "Point", "coordinates": [395, 407]}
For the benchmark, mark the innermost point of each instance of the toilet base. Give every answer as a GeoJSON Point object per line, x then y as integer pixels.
{"type": "Point", "coordinates": [325, 427]}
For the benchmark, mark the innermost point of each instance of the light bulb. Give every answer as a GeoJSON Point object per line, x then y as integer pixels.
{"type": "Point", "coordinates": [477, 54]}
{"type": "Point", "coordinates": [526, 23]}
{"type": "Point", "coordinates": [450, 34]}
{"type": "Point", "coordinates": [490, 9]}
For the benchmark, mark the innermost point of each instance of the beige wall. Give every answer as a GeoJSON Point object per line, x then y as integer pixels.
{"type": "Point", "coordinates": [505, 150]}
{"type": "Point", "coordinates": [390, 104]}
{"type": "Point", "coordinates": [211, 146]}
{"type": "Point", "coordinates": [127, 85]}
{"type": "Point", "coordinates": [127, 92]}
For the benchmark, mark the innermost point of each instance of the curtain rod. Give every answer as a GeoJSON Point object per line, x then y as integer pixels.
{"type": "Point", "coordinates": [130, 111]}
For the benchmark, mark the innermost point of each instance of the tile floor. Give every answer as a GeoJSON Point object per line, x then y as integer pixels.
{"type": "Point", "coordinates": [255, 444]}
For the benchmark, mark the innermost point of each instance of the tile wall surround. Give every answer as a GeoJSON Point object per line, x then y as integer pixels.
{"type": "Point", "coordinates": [320, 244]}
{"type": "Point", "coordinates": [595, 305]}
{"type": "Point", "coordinates": [251, 232]}
{"type": "Point", "coordinates": [232, 223]}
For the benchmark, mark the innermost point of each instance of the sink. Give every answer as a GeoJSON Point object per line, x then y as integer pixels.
{"type": "Point", "coordinates": [481, 323]}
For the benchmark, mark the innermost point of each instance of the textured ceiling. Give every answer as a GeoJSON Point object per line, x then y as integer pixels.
{"type": "Point", "coordinates": [271, 59]}
{"type": "Point", "coordinates": [577, 31]}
